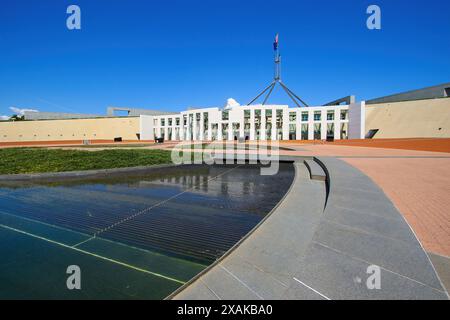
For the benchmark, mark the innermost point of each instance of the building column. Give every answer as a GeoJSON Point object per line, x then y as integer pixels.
{"type": "Point", "coordinates": [181, 128]}
{"type": "Point", "coordinates": [202, 119]}
{"type": "Point", "coordinates": [194, 127]}
{"type": "Point", "coordinates": [298, 125]}
{"type": "Point", "coordinates": [286, 124]}
{"type": "Point", "coordinates": [230, 131]}
{"type": "Point", "coordinates": [219, 131]}
{"type": "Point", "coordinates": [337, 124]}
{"type": "Point", "coordinates": [274, 125]}
{"type": "Point", "coordinates": [252, 124]}
{"type": "Point", "coordinates": [209, 132]}
{"type": "Point", "coordinates": [323, 126]}
{"type": "Point", "coordinates": [262, 130]}
{"type": "Point", "coordinates": [241, 127]}
{"type": "Point", "coordinates": [310, 124]}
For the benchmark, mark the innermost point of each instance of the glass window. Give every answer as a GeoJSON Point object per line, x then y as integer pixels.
{"type": "Point", "coordinates": [317, 115]}
{"type": "Point", "coordinates": [304, 116]}
{"type": "Point", "coordinates": [330, 115]}
{"type": "Point", "coordinates": [344, 114]}
{"type": "Point", "coordinates": [225, 115]}
{"type": "Point", "coordinates": [163, 122]}
{"type": "Point", "coordinates": [292, 116]}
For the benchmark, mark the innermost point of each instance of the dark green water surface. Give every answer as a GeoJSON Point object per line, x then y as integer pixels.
{"type": "Point", "coordinates": [134, 236]}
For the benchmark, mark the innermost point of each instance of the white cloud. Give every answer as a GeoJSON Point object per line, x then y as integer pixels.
{"type": "Point", "coordinates": [21, 112]}
{"type": "Point", "coordinates": [4, 117]}
{"type": "Point", "coordinates": [231, 103]}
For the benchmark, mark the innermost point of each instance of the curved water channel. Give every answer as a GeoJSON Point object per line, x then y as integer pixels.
{"type": "Point", "coordinates": [137, 236]}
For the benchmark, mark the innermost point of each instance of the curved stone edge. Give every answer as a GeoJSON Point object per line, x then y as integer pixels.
{"type": "Point", "coordinates": [361, 225]}
{"type": "Point", "coordinates": [324, 252]}
{"type": "Point", "coordinates": [81, 173]}
{"type": "Point", "coordinates": [233, 248]}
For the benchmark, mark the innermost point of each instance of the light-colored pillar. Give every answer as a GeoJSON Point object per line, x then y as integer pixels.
{"type": "Point", "coordinates": [181, 128]}
{"type": "Point", "coordinates": [241, 127]}
{"type": "Point", "coordinates": [201, 126]}
{"type": "Point", "coordinates": [194, 127]}
{"type": "Point", "coordinates": [286, 124]}
{"type": "Point", "coordinates": [230, 130]}
{"type": "Point", "coordinates": [274, 125]}
{"type": "Point", "coordinates": [262, 130]}
{"type": "Point", "coordinates": [219, 131]}
{"type": "Point", "coordinates": [323, 126]}
{"type": "Point", "coordinates": [310, 124]}
{"type": "Point", "coordinates": [337, 124]}
{"type": "Point", "coordinates": [298, 125]}
{"type": "Point", "coordinates": [209, 132]}
{"type": "Point", "coordinates": [252, 124]}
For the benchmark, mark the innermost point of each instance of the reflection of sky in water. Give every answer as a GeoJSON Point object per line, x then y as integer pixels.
{"type": "Point", "coordinates": [204, 217]}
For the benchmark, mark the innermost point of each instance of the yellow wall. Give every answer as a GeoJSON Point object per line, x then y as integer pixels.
{"type": "Point", "coordinates": [410, 119]}
{"type": "Point", "coordinates": [73, 129]}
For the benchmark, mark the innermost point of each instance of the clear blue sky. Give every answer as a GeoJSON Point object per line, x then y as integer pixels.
{"type": "Point", "coordinates": [169, 55]}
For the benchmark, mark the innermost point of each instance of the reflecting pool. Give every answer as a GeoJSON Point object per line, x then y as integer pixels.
{"type": "Point", "coordinates": [133, 236]}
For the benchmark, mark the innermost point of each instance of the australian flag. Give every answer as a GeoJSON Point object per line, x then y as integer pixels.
{"type": "Point", "coordinates": [275, 43]}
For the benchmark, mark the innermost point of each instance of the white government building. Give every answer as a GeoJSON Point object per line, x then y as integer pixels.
{"type": "Point", "coordinates": [258, 122]}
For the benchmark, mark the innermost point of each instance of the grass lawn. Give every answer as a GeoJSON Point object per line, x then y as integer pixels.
{"type": "Point", "coordinates": [34, 160]}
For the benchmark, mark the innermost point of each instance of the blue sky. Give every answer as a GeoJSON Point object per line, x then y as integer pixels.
{"type": "Point", "coordinates": [169, 55]}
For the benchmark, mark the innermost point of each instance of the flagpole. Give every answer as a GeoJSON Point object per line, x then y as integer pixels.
{"type": "Point", "coordinates": [277, 79]}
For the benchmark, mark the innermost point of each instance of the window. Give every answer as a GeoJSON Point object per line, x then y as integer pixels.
{"type": "Point", "coordinates": [447, 92]}
{"type": "Point", "coordinates": [330, 115]}
{"type": "Point", "coordinates": [304, 116]}
{"type": "Point", "coordinates": [177, 121]}
{"type": "Point", "coordinates": [371, 133]}
{"type": "Point", "coordinates": [163, 122]}
{"type": "Point", "coordinates": [170, 121]}
{"type": "Point", "coordinates": [344, 114]}
{"type": "Point", "coordinates": [292, 116]}
{"type": "Point", "coordinates": [317, 115]}
{"type": "Point", "coordinates": [225, 115]}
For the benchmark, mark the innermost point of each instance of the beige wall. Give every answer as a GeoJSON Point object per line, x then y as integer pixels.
{"type": "Point", "coordinates": [73, 129]}
{"type": "Point", "coordinates": [410, 119]}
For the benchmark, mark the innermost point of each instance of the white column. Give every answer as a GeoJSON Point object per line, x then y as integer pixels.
{"type": "Point", "coordinates": [274, 125]}
{"type": "Point", "coordinates": [262, 130]}
{"type": "Point", "coordinates": [241, 127]}
{"type": "Point", "coordinates": [194, 127]}
{"type": "Point", "coordinates": [337, 124]}
{"type": "Point", "coordinates": [286, 123]}
{"type": "Point", "coordinates": [252, 124]}
{"type": "Point", "coordinates": [298, 125]}
{"type": "Point", "coordinates": [230, 130]}
{"type": "Point", "coordinates": [209, 133]}
{"type": "Point", "coordinates": [311, 125]}
{"type": "Point", "coordinates": [219, 131]}
{"type": "Point", "coordinates": [201, 127]}
{"type": "Point", "coordinates": [323, 126]}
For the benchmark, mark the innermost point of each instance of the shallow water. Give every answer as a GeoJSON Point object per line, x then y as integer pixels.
{"type": "Point", "coordinates": [138, 236]}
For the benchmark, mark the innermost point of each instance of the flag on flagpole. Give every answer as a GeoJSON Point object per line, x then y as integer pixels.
{"type": "Point", "coordinates": [275, 43]}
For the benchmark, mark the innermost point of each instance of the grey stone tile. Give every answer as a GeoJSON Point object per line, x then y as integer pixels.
{"type": "Point", "coordinates": [197, 291]}
{"type": "Point", "coordinates": [265, 283]}
{"type": "Point", "coordinates": [228, 287]}
{"type": "Point", "coordinates": [338, 277]}
{"type": "Point", "coordinates": [393, 228]}
{"type": "Point", "coordinates": [405, 258]}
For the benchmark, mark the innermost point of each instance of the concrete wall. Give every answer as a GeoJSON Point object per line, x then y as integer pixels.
{"type": "Point", "coordinates": [356, 120]}
{"type": "Point", "coordinates": [74, 129]}
{"type": "Point", "coordinates": [428, 118]}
